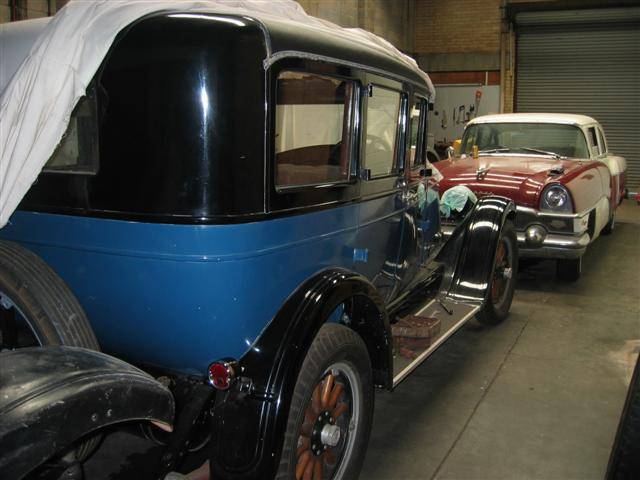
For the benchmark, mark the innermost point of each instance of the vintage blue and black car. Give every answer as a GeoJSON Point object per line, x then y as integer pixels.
{"type": "Point", "coordinates": [244, 211]}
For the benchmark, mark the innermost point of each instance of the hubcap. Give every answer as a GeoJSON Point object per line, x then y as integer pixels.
{"type": "Point", "coordinates": [330, 435]}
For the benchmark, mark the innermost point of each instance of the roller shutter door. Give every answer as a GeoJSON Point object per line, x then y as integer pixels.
{"type": "Point", "coordinates": [586, 62]}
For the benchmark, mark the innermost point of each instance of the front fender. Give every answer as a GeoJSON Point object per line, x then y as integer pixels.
{"type": "Point", "coordinates": [250, 419]}
{"type": "Point", "coordinates": [52, 396]}
{"type": "Point", "coordinates": [469, 253]}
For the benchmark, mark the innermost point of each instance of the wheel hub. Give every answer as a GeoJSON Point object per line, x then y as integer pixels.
{"type": "Point", "coordinates": [330, 435]}
{"type": "Point", "coordinates": [325, 434]}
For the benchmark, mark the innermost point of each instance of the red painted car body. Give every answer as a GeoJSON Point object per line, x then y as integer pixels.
{"type": "Point", "coordinates": [523, 178]}
{"type": "Point", "coordinates": [510, 162]}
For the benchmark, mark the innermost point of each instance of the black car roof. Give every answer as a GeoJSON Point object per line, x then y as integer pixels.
{"type": "Point", "coordinates": [312, 41]}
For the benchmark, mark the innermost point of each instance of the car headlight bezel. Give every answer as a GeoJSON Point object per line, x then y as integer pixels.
{"type": "Point", "coordinates": [556, 198]}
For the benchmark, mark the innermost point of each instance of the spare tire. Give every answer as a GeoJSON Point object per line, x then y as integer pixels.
{"type": "Point", "coordinates": [38, 308]}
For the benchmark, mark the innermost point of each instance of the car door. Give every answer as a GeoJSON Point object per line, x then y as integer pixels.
{"type": "Point", "coordinates": [421, 219]}
{"type": "Point", "coordinates": [382, 184]}
{"type": "Point", "coordinates": [603, 207]}
{"type": "Point", "coordinates": [617, 167]}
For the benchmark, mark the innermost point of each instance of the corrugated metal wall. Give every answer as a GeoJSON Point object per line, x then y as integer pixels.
{"type": "Point", "coordinates": [585, 62]}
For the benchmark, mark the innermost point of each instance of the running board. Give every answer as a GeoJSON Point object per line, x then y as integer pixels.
{"type": "Point", "coordinates": [451, 315]}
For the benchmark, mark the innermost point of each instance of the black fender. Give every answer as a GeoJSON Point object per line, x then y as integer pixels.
{"type": "Point", "coordinates": [469, 254]}
{"type": "Point", "coordinates": [250, 418]}
{"type": "Point", "coordinates": [52, 396]}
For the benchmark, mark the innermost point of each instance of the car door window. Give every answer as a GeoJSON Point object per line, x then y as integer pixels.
{"type": "Point", "coordinates": [381, 136]}
{"type": "Point", "coordinates": [593, 142]}
{"type": "Point", "coordinates": [416, 154]}
{"type": "Point", "coordinates": [601, 141]}
{"type": "Point", "coordinates": [312, 143]}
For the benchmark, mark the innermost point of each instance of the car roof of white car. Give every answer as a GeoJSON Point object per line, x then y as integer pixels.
{"type": "Point", "coordinates": [562, 118]}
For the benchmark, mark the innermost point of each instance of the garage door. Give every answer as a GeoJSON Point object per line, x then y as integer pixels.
{"type": "Point", "coordinates": [587, 62]}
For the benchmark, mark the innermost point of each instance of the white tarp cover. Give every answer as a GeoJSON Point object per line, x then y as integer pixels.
{"type": "Point", "coordinates": [37, 102]}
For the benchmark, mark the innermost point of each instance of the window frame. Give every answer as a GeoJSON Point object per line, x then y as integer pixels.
{"type": "Point", "coordinates": [421, 142]}
{"type": "Point", "coordinates": [307, 198]}
{"type": "Point", "coordinates": [401, 130]}
{"type": "Point", "coordinates": [349, 127]}
{"type": "Point", "coordinates": [602, 141]}
{"type": "Point", "coordinates": [94, 167]}
{"type": "Point", "coordinates": [592, 135]}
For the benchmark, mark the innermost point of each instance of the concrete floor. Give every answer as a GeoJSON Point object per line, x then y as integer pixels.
{"type": "Point", "coordinates": [537, 397]}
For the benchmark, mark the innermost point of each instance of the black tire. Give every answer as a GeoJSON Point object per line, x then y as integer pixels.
{"type": "Point", "coordinates": [569, 269]}
{"type": "Point", "coordinates": [610, 226]}
{"type": "Point", "coordinates": [624, 462]}
{"type": "Point", "coordinates": [496, 307]}
{"type": "Point", "coordinates": [34, 294]}
{"type": "Point", "coordinates": [334, 347]}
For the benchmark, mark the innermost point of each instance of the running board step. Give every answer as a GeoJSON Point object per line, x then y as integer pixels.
{"type": "Point", "coordinates": [417, 336]}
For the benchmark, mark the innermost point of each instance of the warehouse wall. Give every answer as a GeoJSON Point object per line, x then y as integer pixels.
{"type": "Point", "coordinates": [391, 19]}
{"type": "Point", "coordinates": [458, 35]}
{"type": "Point", "coordinates": [25, 9]}
{"type": "Point", "coordinates": [458, 40]}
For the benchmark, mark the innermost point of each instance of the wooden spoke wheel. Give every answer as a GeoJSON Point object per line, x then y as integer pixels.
{"type": "Point", "coordinates": [502, 282]}
{"type": "Point", "coordinates": [502, 272]}
{"type": "Point", "coordinates": [331, 409]}
{"type": "Point", "coordinates": [324, 433]}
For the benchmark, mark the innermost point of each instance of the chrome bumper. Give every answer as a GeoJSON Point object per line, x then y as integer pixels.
{"type": "Point", "coordinates": [554, 246]}
{"type": "Point", "coordinates": [565, 235]}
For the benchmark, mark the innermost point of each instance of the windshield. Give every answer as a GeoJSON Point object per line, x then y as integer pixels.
{"type": "Point", "coordinates": [536, 138]}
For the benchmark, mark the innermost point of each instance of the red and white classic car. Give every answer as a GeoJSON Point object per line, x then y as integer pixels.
{"type": "Point", "coordinates": [556, 167]}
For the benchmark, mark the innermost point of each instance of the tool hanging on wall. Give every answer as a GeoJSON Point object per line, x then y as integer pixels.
{"type": "Point", "coordinates": [478, 98]}
{"type": "Point", "coordinates": [459, 114]}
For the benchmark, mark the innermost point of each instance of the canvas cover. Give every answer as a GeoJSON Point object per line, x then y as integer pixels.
{"type": "Point", "coordinates": [46, 66]}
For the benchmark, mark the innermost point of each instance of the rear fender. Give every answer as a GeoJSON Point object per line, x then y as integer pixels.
{"type": "Point", "coordinates": [250, 419]}
{"type": "Point", "coordinates": [469, 254]}
{"type": "Point", "coordinates": [52, 396]}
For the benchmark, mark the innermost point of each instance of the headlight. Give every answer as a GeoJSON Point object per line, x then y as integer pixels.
{"type": "Point", "coordinates": [556, 198]}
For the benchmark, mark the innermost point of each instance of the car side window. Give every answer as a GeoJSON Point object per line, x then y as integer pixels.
{"type": "Point", "coordinates": [381, 135]}
{"type": "Point", "coordinates": [312, 143]}
{"type": "Point", "coordinates": [417, 152]}
{"type": "Point", "coordinates": [593, 142]}
{"type": "Point", "coordinates": [77, 152]}
{"type": "Point", "coordinates": [602, 141]}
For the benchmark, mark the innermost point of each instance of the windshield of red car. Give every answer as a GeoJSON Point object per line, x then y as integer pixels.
{"type": "Point", "coordinates": [563, 140]}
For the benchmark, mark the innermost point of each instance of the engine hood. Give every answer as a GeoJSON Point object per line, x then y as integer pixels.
{"type": "Point", "coordinates": [518, 177]}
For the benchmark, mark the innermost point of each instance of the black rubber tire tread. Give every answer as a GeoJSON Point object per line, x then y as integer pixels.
{"type": "Point", "coordinates": [49, 305]}
{"type": "Point", "coordinates": [43, 296]}
{"type": "Point", "coordinates": [491, 314]}
{"type": "Point", "coordinates": [569, 269]}
{"type": "Point", "coordinates": [332, 343]}
{"type": "Point", "coordinates": [625, 455]}
{"type": "Point", "coordinates": [610, 226]}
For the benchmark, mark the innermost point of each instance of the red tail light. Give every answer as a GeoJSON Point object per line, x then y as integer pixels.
{"type": "Point", "coordinates": [221, 374]}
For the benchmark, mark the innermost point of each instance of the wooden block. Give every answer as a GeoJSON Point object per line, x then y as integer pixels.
{"type": "Point", "coordinates": [413, 326]}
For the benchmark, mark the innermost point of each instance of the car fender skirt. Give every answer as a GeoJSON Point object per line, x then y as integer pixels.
{"type": "Point", "coordinates": [52, 396]}
{"type": "Point", "coordinates": [250, 418]}
{"type": "Point", "coordinates": [469, 253]}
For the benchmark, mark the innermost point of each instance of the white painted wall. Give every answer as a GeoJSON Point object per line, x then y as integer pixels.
{"type": "Point", "coordinates": [456, 104]}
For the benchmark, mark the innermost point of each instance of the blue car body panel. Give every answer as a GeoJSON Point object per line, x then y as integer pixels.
{"type": "Point", "coordinates": [181, 296]}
